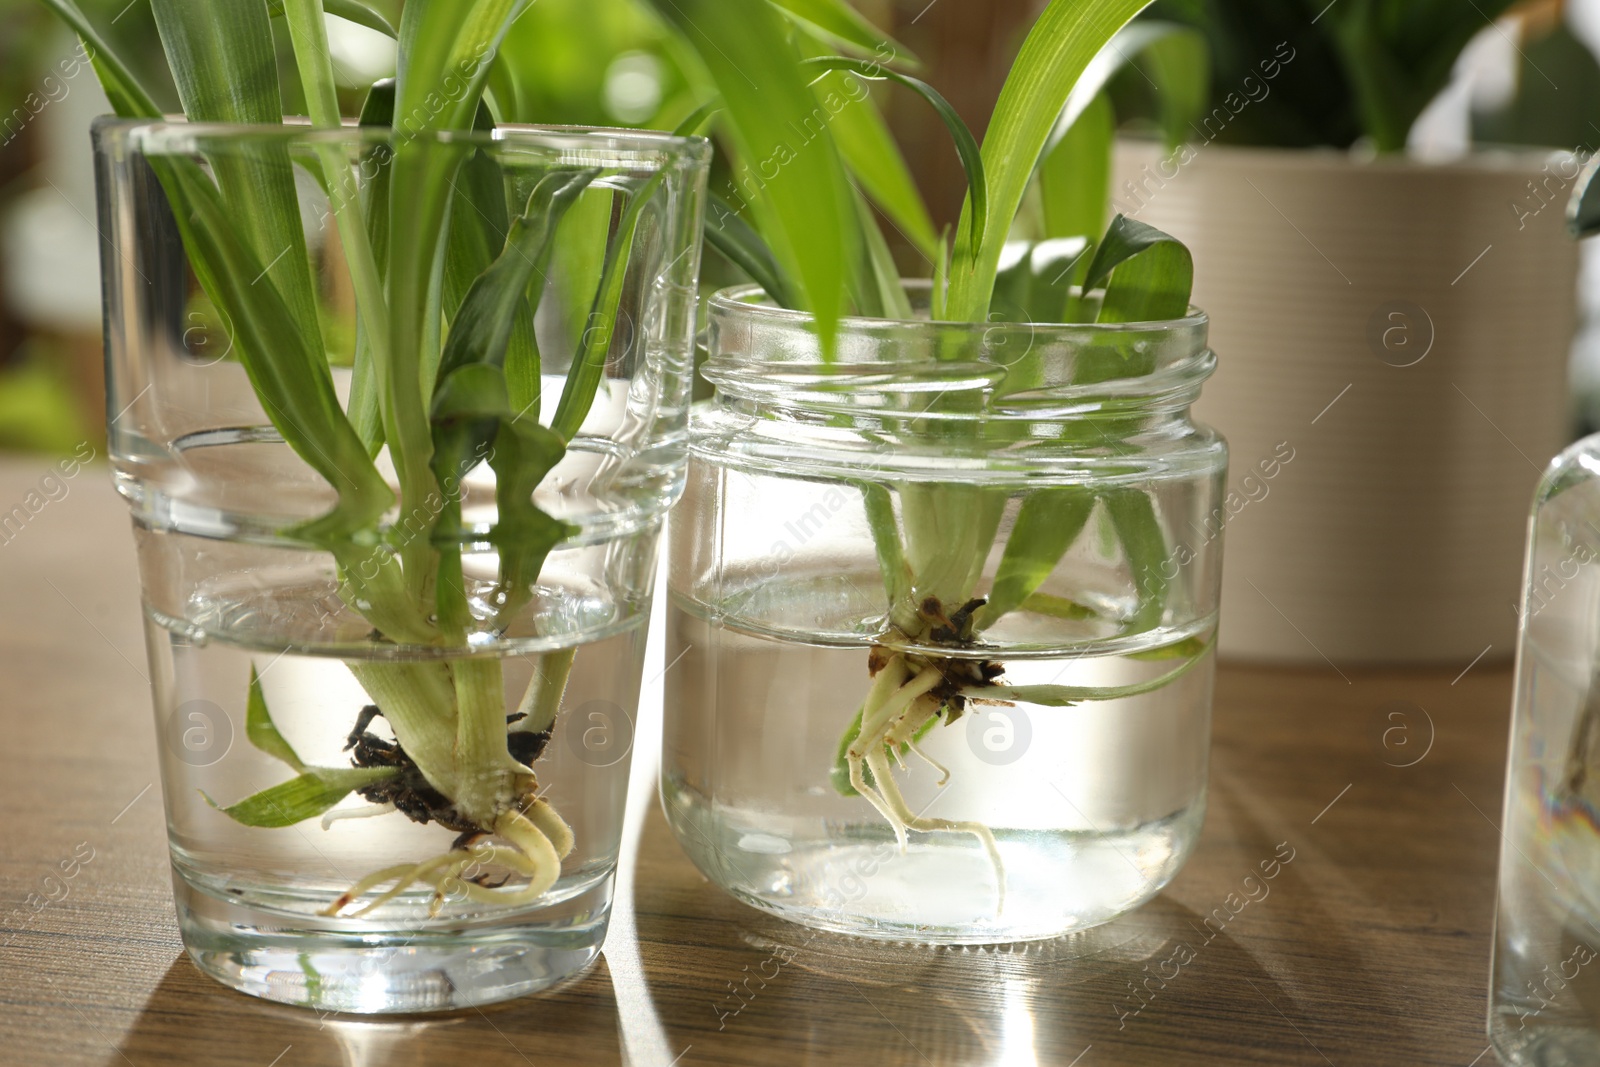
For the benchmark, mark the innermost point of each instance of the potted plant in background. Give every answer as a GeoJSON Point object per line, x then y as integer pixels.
{"type": "Point", "coordinates": [942, 655]}
{"type": "Point", "coordinates": [1398, 331]}
{"type": "Point", "coordinates": [397, 468]}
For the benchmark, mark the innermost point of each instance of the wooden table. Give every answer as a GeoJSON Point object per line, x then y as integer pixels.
{"type": "Point", "coordinates": [1372, 946]}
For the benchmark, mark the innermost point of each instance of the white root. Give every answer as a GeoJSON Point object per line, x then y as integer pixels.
{"type": "Point", "coordinates": [366, 811]}
{"type": "Point", "coordinates": [890, 720]}
{"type": "Point", "coordinates": [876, 723]}
{"type": "Point", "coordinates": [858, 780]}
{"type": "Point", "coordinates": [552, 825]}
{"type": "Point", "coordinates": [890, 792]}
{"type": "Point", "coordinates": [944, 772]}
{"type": "Point", "coordinates": [535, 856]}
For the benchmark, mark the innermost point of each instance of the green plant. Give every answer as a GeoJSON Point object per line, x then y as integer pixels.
{"type": "Point", "coordinates": [441, 248]}
{"type": "Point", "coordinates": [1359, 68]}
{"type": "Point", "coordinates": [807, 154]}
{"type": "Point", "coordinates": [813, 243]}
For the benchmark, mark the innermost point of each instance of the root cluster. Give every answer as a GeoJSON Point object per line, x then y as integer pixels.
{"type": "Point", "coordinates": [910, 693]}
{"type": "Point", "coordinates": [535, 839]}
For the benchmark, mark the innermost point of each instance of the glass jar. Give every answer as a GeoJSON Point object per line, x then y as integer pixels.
{"type": "Point", "coordinates": [1544, 994]}
{"type": "Point", "coordinates": [941, 621]}
{"type": "Point", "coordinates": [394, 751]}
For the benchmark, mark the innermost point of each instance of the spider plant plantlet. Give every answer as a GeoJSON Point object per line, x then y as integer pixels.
{"type": "Point", "coordinates": [489, 437]}
{"type": "Point", "coordinates": [1056, 373]}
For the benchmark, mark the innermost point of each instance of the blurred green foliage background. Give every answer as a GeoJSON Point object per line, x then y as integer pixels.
{"type": "Point", "coordinates": [1364, 69]}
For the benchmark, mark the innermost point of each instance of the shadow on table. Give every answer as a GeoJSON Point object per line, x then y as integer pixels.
{"type": "Point", "coordinates": [1143, 989]}
{"type": "Point", "coordinates": [748, 989]}
{"type": "Point", "coordinates": [191, 1020]}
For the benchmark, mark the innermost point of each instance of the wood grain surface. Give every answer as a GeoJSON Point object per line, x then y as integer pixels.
{"type": "Point", "coordinates": [1370, 947]}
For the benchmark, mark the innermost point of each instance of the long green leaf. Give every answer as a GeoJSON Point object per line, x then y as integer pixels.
{"type": "Point", "coordinates": [1066, 696]}
{"type": "Point", "coordinates": [1061, 44]}
{"type": "Point", "coordinates": [442, 39]}
{"type": "Point", "coordinates": [308, 32]}
{"type": "Point", "coordinates": [797, 188]}
{"type": "Point", "coordinates": [480, 220]}
{"type": "Point", "coordinates": [841, 22]}
{"type": "Point", "coordinates": [579, 261]}
{"type": "Point", "coordinates": [1075, 175]}
{"type": "Point", "coordinates": [738, 241]}
{"type": "Point", "coordinates": [1133, 515]}
{"type": "Point", "coordinates": [365, 414]}
{"type": "Point", "coordinates": [589, 363]}
{"type": "Point", "coordinates": [966, 144]}
{"type": "Point", "coordinates": [302, 798]}
{"type": "Point", "coordinates": [1179, 66]}
{"type": "Point", "coordinates": [439, 39]}
{"type": "Point", "coordinates": [291, 380]}
{"type": "Point", "coordinates": [349, 10]}
{"type": "Point", "coordinates": [261, 731]}
{"type": "Point", "coordinates": [223, 62]}
{"type": "Point", "coordinates": [1048, 523]}
{"type": "Point", "coordinates": [889, 299]}
{"type": "Point", "coordinates": [127, 96]}
{"type": "Point", "coordinates": [872, 155]}
{"type": "Point", "coordinates": [1170, 54]}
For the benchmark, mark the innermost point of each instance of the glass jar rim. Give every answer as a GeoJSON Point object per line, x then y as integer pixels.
{"type": "Point", "coordinates": [174, 135]}
{"type": "Point", "coordinates": [739, 300]}
{"type": "Point", "coordinates": [769, 357]}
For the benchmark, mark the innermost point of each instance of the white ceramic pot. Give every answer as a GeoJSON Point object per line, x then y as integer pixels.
{"type": "Point", "coordinates": [1393, 341]}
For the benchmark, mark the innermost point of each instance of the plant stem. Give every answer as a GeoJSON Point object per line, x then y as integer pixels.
{"type": "Point", "coordinates": [549, 684]}
{"type": "Point", "coordinates": [484, 767]}
{"type": "Point", "coordinates": [418, 703]}
{"type": "Point", "coordinates": [418, 207]}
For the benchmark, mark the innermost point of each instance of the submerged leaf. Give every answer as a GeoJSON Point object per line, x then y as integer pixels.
{"type": "Point", "coordinates": [1048, 523]}
{"type": "Point", "coordinates": [1066, 696]}
{"type": "Point", "coordinates": [524, 452]}
{"type": "Point", "coordinates": [302, 798]}
{"type": "Point", "coordinates": [1176, 60]}
{"type": "Point", "coordinates": [263, 734]}
{"type": "Point", "coordinates": [839, 773]}
{"type": "Point", "coordinates": [1186, 649]}
{"type": "Point", "coordinates": [377, 111]}
{"type": "Point", "coordinates": [1133, 515]}
{"type": "Point", "coordinates": [897, 578]}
